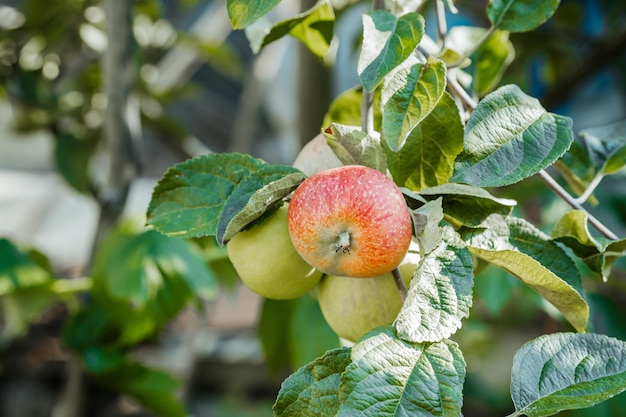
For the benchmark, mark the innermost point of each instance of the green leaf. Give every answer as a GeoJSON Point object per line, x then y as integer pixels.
{"type": "Point", "coordinates": [253, 196]}
{"type": "Point", "coordinates": [466, 204]}
{"type": "Point", "coordinates": [598, 254]}
{"type": "Point", "coordinates": [71, 157]}
{"type": "Point", "coordinates": [509, 137]}
{"type": "Point", "coordinates": [153, 388]}
{"type": "Point", "coordinates": [495, 287]}
{"type": "Point", "coordinates": [409, 96]}
{"type": "Point", "coordinates": [389, 376]}
{"type": "Point", "coordinates": [426, 221]}
{"type": "Point", "coordinates": [387, 41]}
{"type": "Point", "coordinates": [565, 371]}
{"type": "Point", "coordinates": [309, 334]}
{"type": "Point", "coordinates": [346, 109]}
{"type": "Point", "coordinates": [491, 60]}
{"type": "Point", "coordinates": [190, 199]}
{"type": "Point", "coordinates": [293, 333]}
{"type": "Point", "coordinates": [606, 146]}
{"type": "Point", "coordinates": [244, 12]}
{"type": "Point", "coordinates": [314, 28]}
{"type": "Point", "coordinates": [520, 15]}
{"type": "Point", "coordinates": [21, 268]}
{"type": "Point", "coordinates": [311, 391]}
{"type": "Point", "coordinates": [427, 157]}
{"type": "Point", "coordinates": [355, 147]}
{"type": "Point", "coordinates": [440, 295]}
{"type": "Point", "coordinates": [519, 248]}
{"type": "Point", "coordinates": [144, 280]}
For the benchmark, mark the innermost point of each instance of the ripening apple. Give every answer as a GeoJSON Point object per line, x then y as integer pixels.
{"type": "Point", "coordinates": [316, 156]}
{"type": "Point", "coordinates": [267, 263]}
{"type": "Point", "coordinates": [350, 221]}
{"type": "Point", "coordinates": [353, 307]}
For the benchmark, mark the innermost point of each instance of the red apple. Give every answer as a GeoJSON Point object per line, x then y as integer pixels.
{"type": "Point", "coordinates": [350, 221]}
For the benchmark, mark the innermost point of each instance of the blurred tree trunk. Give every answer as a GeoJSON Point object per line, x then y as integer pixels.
{"type": "Point", "coordinates": [315, 89]}
{"type": "Point", "coordinates": [113, 164]}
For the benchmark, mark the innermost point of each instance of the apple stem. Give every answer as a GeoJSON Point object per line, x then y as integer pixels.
{"type": "Point", "coordinates": [343, 243]}
{"type": "Point", "coordinates": [397, 278]}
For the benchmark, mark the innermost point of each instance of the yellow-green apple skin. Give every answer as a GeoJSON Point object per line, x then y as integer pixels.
{"type": "Point", "coordinates": [267, 262]}
{"type": "Point", "coordinates": [350, 221]}
{"type": "Point", "coordinates": [353, 307]}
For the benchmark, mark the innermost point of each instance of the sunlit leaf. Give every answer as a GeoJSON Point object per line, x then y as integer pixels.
{"type": "Point", "coordinates": [509, 137]}
{"type": "Point", "coordinates": [564, 371]}
{"type": "Point", "coordinates": [440, 294]}
{"type": "Point", "coordinates": [387, 41]}
{"type": "Point", "coordinates": [520, 15]}
{"type": "Point", "coordinates": [409, 96]}
{"type": "Point", "coordinates": [244, 12]}
{"type": "Point", "coordinates": [312, 391]}
{"type": "Point", "coordinates": [355, 147]}
{"type": "Point", "coordinates": [391, 377]}
{"type": "Point", "coordinates": [428, 155]}
{"type": "Point", "coordinates": [516, 246]}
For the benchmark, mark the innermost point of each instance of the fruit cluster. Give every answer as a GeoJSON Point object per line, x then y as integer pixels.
{"type": "Point", "coordinates": [342, 224]}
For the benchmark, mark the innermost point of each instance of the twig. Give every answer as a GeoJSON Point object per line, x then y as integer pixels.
{"type": "Point", "coordinates": [397, 279]}
{"type": "Point", "coordinates": [442, 26]}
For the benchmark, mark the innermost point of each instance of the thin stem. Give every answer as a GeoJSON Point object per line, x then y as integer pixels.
{"type": "Point", "coordinates": [590, 188]}
{"type": "Point", "coordinates": [556, 187]}
{"type": "Point", "coordinates": [367, 112]}
{"type": "Point", "coordinates": [442, 25]}
{"type": "Point", "coordinates": [397, 279]}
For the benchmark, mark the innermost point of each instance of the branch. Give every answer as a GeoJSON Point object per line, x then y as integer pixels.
{"type": "Point", "coordinates": [397, 279]}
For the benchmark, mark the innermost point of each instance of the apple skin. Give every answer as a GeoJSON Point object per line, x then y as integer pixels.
{"type": "Point", "coordinates": [353, 307]}
{"type": "Point", "coordinates": [316, 156]}
{"type": "Point", "coordinates": [267, 263]}
{"type": "Point", "coordinates": [350, 221]}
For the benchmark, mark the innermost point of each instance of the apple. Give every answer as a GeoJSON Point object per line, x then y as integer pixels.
{"type": "Point", "coordinates": [350, 221]}
{"type": "Point", "coordinates": [267, 262]}
{"type": "Point", "coordinates": [316, 156]}
{"type": "Point", "coordinates": [353, 307]}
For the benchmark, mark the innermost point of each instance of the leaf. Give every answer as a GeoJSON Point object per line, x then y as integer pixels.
{"type": "Point", "coordinates": [309, 334]}
{"type": "Point", "coordinates": [440, 295]}
{"type": "Point", "coordinates": [491, 60]}
{"type": "Point", "coordinates": [565, 371]}
{"type": "Point", "coordinates": [426, 221]}
{"type": "Point", "coordinates": [346, 109]}
{"type": "Point", "coordinates": [509, 137]}
{"type": "Point", "coordinates": [598, 254]}
{"type": "Point", "coordinates": [606, 146]}
{"type": "Point", "coordinates": [293, 332]}
{"type": "Point", "coordinates": [387, 41]}
{"type": "Point", "coordinates": [253, 196]}
{"type": "Point", "coordinates": [409, 96]}
{"type": "Point", "coordinates": [144, 280]}
{"type": "Point", "coordinates": [153, 388]}
{"type": "Point", "coordinates": [466, 204]}
{"type": "Point", "coordinates": [71, 157]}
{"type": "Point", "coordinates": [520, 15]}
{"type": "Point", "coordinates": [314, 28]}
{"type": "Point", "coordinates": [189, 200]}
{"type": "Point", "coordinates": [244, 12]}
{"type": "Point", "coordinates": [355, 147]}
{"type": "Point", "coordinates": [311, 391]}
{"type": "Point", "coordinates": [389, 376]}
{"type": "Point", "coordinates": [21, 268]}
{"type": "Point", "coordinates": [428, 155]}
{"type": "Point", "coordinates": [519, 248]}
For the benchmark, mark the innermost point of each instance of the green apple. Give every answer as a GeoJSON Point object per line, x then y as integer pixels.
{"type": "Point", "coordinates": [354, 306]}
{"type": "Point", "coordinates": [316, 156]}
{"type": "Point", "coordinates": [267, 262]}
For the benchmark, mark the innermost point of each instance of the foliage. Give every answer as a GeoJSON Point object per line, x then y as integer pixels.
{"type": "Point", "coordinates": [450, 156]}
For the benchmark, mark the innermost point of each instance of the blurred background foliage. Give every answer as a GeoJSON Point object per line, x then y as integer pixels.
{"type": "Point", "coordinates": [195, 86]}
